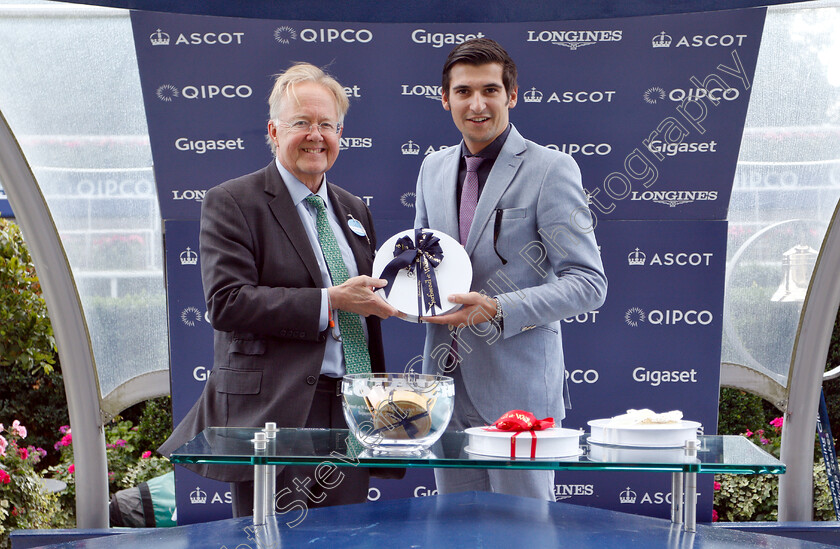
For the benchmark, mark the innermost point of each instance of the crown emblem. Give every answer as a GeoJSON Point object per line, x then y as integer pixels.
{"type": "Point", "coordinates": [627, 496]}
{"type": "Point", "coordinates": [198, 496]}
{"type": "Point", "coordinates": [189, 257]}
{"type": "Point", "coordinates": [661, 40]}
{"type": "Point", "coordinates": [159, 38]}
{"type": "Point", "coordinates": [533, 96]}
{"type": "Point", "coordinates": [636, 258]}
{"type": "Point", "coordinates": [410, 148]}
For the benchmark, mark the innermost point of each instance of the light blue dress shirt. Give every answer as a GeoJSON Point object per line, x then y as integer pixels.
{"type": "Point", "coordinates": [333, 364]}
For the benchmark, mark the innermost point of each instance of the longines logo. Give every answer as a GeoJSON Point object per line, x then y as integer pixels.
{"type": "Point", "coordinates": [345, 143]}
{"type": "Point", "coordinates": [285, 35]}
{"type": "Point", "coordinates": [574, 39]}
{"type": "Point", "coordinates": [673, 198]}
{"type": "Point", "coordinates": [565, 491]}
{"type": "Point", "coordinates": [638, 258]}
{"type": "Point", "coordinates": [655, 94]}
{"type": "Point", "coordinates": [423, 90]}
{"type": "Point", "coordinates": [408, 199]}
{"type": "Point", "coordinates": [440, 39]}
{"type": "Point", "coordinates": [189, 194]}
{"type": "Point", "coordinates": [168, 92]}
{"type": "Point", "coordinates": [190, 316]}
{"type": "Point", "coordinates": [536, 96]}
{"type": "Point", "coordinates": [188, 257]}
{"type": "Point", "coordinates": [160, 38]}
{"type": "Point", "coordinates": [410, 148]}
{"type": "Point", "coordinates": [635, 316]}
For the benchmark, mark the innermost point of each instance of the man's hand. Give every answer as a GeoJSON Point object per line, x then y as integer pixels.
{"type": "Point", "coordinates": [477, 308]}
{"type": "Point", "coordinates": [356, 296]}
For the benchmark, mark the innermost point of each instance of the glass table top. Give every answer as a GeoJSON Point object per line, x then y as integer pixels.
{"type": "Point", "coordinates": [231, 445]}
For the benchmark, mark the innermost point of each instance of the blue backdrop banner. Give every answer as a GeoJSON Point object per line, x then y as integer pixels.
{"type": "Point", "coordinates": [651, 108]}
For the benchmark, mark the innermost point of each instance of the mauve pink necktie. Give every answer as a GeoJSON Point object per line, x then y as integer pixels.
{"type": "Point", "coordinates": [469, 197]}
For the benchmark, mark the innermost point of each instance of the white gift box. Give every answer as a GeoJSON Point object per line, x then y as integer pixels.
{"type": "Point", "coordinates": [453, 276]}
{"type": "Point", "coordinates": [556, 442]}
{"type": "Point", "coordinates": [653, 435]}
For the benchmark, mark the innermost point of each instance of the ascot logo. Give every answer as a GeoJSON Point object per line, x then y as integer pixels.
{"type": "Point", "coordinates": [533, 96]}
{"type": "Point", "coordinates": [159, 38]}
{"type": "Point", "coordinates": [628, 496]}
{"type": "Point", "coordinates": [583, 318]}
{"type": "Point", "coordinates": [673, 198]}
{"type": "Point", "coordinates": [574, 39]}
{"type": "Point", "coordinates": [661, 40]}
{"type": "Point", "coordinates": [423, 90]}
{"type": "Point", "coordinates": [711, 40]}
{"type": "Point", "coordinates": [190, 316]}
{"type": "Point", "coordinates": [285, 34]}
{"type": "Point", "coordinates": [198, 496]}
{"type": "Point", "coordinates": [410, 148]}
{"type": "Point", "coordinates": [345, 143]}
{"type": "Point", "coordinates": [582, 97]}
{"type": "Point", "coordinates": [188, 257]}
{"type": "Point", "coordinates": [636, 258]}
{"type": "Point", "coordinates": [168, 92]}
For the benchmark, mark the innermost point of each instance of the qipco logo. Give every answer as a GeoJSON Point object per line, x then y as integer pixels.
{"type": "Point", "coordinates": [361, 36]}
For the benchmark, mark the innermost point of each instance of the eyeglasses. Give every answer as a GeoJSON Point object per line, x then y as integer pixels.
{"type": "Point", "coordinates": [302, 126]}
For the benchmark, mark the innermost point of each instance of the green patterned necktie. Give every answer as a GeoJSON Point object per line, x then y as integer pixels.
{"type": "Point", "coordinates": [356, 357]}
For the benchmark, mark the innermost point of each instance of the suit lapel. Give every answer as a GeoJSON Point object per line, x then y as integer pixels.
{"type": "Point", "coordinates": [287, 216]}
{"type": "Point", "coordinates": [359, 244]}
{"type": "Point", "coordinates": [500, 178]}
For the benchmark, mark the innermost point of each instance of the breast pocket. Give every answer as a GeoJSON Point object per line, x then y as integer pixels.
{"type": "Point", "coordinates": [511, 231]}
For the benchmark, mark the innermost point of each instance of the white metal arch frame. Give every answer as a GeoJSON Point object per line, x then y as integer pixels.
{"type": "Point", "coordinates": [71, 332]}
{"type": "Point", "coordinates": [810, 350]}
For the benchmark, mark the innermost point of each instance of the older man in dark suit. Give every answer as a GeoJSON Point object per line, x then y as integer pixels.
{"type": "Point", "coordinates": [285, 259]}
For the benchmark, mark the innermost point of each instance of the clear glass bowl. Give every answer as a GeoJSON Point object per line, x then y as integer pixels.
{"type": "Point", "coordinates": [397, 412]}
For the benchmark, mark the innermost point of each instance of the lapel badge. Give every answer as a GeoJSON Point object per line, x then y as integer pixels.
{"type": "Point", "coordinates": [356, 226]}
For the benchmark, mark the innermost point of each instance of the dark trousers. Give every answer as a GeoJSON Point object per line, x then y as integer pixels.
{"type": "Point", "coordinates": [298, 488]}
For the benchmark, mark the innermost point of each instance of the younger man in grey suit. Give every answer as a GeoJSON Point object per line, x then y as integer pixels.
{"type": "Point", "coordinates": [520, 211]}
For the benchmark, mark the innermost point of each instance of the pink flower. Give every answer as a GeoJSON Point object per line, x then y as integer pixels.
{"type": "Point", "coordinates": [778, 422]}
{"type": "Point", "coordinates": [764, 441]}
{"type": "Point", "coordinates": [4, 477]}
{"type": "Point", "coordinates": [715, 517]}
{"type": "Point", "coordinates": [3, 444]}
{"type": "Point", "coordinates": [71, 469]}
{"type": "Point", "coordinates": [760, 431]}
{"type": "Point", "coordinates": [119, 442]}
{"type": "Point", "coordinates": [23, 453]}
{"type": "Point", "coordinates": [146, 455]}
{"type": "Point", "coordinates": [717, 485]}
{"type": "Point", "coordinates": [18, 429]}
{"type": "Point", "coordinates": [749, 433]}
{"type": "Point", "coordinates": [64, 429]}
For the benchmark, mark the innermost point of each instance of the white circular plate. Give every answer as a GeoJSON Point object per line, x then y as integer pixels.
{"type": "Point", "coordinates": [454, 276]}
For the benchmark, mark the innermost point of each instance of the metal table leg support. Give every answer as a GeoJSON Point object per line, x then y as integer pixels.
{"type": "Point", "coordinates": [677, 498]}
{"type": "Point", "coordinates": [691, 490]}
{"type": "Point", "coordinates": [260, 487]}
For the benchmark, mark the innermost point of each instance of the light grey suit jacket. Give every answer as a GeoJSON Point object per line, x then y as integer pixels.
{"type": "Point", "coordinates": [553, 272]}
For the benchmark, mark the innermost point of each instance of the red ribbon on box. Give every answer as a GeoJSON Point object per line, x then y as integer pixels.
{"type": "Point", "coordinates": [521, 421]}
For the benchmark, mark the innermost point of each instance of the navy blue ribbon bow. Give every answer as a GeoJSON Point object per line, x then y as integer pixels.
{"type": "Point", "coordinates": [422, 255]}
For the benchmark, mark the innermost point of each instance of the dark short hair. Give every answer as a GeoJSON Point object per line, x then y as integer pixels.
{"type": "Point", "coordinates": [480, 51]}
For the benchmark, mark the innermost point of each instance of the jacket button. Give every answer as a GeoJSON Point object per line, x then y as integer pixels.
{"type": "Point", "coordinates": [311, 380]}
